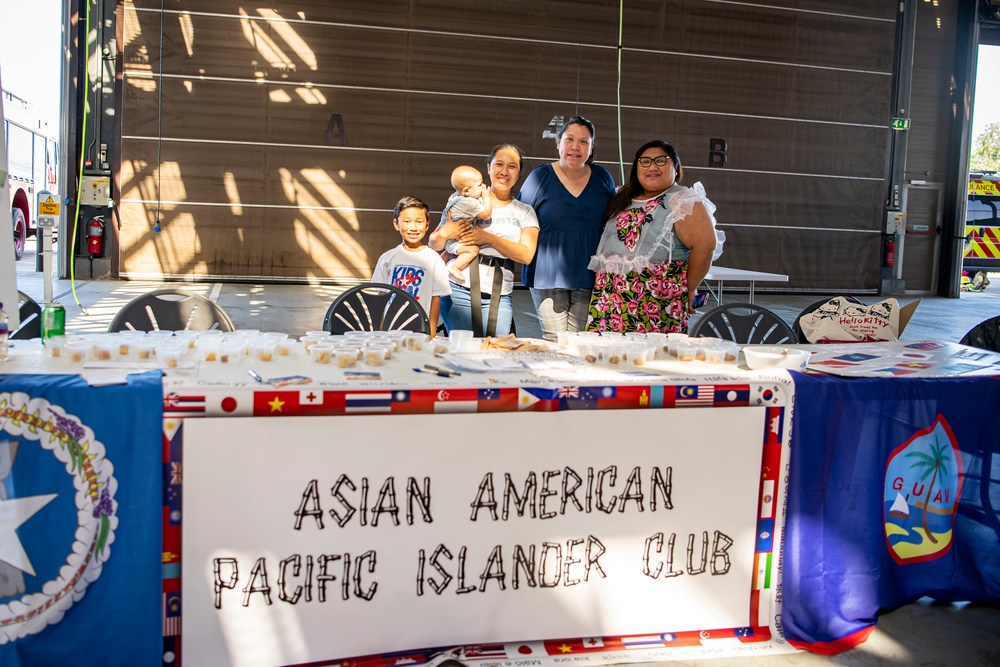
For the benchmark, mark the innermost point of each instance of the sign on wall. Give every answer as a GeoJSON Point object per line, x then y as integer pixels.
{"type": "Point", "coordinates": [319, 538]}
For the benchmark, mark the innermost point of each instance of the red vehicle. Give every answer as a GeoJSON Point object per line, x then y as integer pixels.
{"type": "Point", "coordinates": [32, 162]}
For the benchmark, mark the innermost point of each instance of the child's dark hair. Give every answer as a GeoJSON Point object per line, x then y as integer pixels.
{"type": "Point", "coordinates": [409, 202]}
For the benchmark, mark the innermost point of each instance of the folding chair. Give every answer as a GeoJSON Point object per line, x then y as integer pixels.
{"type": "Point", "coordinates": [375, 307]}
{"type": "Point", "coordinates": [985, 335]}
{"type": "Point", "coordinates": [744, 323]}
{"type": "Point", "coordinates": [30, 314]}
{"type": "Point", "coordinates": [171, 309]}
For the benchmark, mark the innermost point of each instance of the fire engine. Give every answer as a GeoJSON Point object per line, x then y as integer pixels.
{"type": "Point", "coordinates": [982, 227]}
{"type": "Point", "coordinates": [32, 156]}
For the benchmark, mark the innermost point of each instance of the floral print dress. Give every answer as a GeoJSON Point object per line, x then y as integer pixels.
{"type": "Point", "coordinates": [641, 266]}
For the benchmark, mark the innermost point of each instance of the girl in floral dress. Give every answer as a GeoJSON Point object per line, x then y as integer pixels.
{"type": "Point", "coordinates": [657, 247]}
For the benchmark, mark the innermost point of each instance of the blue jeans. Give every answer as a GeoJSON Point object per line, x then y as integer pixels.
{"type": "Point", "coordinates": [456, 310]}
{"type": "Point", "coordinates": [561, 310]}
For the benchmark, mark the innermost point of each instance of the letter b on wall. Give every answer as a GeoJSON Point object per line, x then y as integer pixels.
{"type": "Point", "coordinates": [717, 152]}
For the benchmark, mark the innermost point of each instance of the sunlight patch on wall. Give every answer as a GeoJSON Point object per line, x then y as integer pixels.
{"type": "Point", "coordinates": [279, 96]}
{"type": "Point", "coordinates": [187, 30]}
{"type": "Point", "coordinates": [328, 236]}
{"type": "Point", "coordinates": [233, 193]}
{"type": "Point", "coordinates": [291, 38]}
{"type": "Point", "coordinates": [311, 95]}
{"type": "Point", "coordinates": [266, 47]}
{"type": "Point", "coordinates": [139, 181]}
{"type": "Point", "coordinates": [133, 28]}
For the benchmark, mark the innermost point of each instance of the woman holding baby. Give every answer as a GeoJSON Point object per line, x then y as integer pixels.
{"type": "Point", "coordinates": [510, 235]}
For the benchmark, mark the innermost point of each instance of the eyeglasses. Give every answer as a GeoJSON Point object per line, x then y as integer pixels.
{"type": "Point", "coordinates": [660, 161]}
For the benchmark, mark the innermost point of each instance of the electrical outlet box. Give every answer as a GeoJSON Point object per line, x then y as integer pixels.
{"type": "Point", "coordinates": [96, 190]}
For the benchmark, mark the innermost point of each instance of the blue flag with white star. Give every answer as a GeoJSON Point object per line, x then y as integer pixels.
{"type": "Point", "coordinates": [80, 521]}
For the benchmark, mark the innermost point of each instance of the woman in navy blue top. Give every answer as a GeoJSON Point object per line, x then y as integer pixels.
{"type": "Point", "coordinates": [569, 197]}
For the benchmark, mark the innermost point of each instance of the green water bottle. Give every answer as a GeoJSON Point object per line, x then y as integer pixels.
{"type": "Point", "coordinates": [53, 320]}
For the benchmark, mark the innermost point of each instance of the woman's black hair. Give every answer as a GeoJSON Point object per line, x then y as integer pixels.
{"type": "Point", "coordinates": [631, 188]}
{"type": "Point", "coordinates": [513, 147]}
{"type": "Point", "coordinates": [580, 120]}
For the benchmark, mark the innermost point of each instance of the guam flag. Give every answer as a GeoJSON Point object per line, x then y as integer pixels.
{"type": "Point", "coordinates": [889, 500]}
{"type": "Point", "coordinates": [80, 529]}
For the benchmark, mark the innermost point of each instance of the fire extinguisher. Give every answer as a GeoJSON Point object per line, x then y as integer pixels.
{"type": "Point", "coordinates": [95, 237]}
{"type": "Point", "coordinates": [890, 252]}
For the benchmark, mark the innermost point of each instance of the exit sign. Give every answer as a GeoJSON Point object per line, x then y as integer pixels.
{"type": "Point", "coordinates": [900, 123]}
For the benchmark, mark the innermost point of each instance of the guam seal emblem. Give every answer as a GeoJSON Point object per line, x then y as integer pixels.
{"type": "Point", "coordinates": [53, 541]}
{"type": "Point", "coordinates": [923, 481]}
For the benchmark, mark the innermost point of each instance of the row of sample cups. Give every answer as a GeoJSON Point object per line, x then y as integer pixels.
{"type": "Point", "coordinates": [613, 349]}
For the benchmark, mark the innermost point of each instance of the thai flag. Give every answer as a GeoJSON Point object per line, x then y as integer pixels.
{"type": "Point", "coordinates": [647, 641]}
{"type": "Point", "coordinates": [375, 401]}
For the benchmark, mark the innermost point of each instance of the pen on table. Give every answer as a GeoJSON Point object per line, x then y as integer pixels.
{"type": "Point", "coordinates": [254, 375]}
{"type": "Point", "coordinates": [444, 374]}
{"type": "Point", "coordinates": [438, 369]}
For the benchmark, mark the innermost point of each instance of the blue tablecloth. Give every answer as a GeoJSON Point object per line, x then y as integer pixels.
{"type": "Point", "coordinates": [866, 455]}
{"type": "Point", "coordinates": [81, 477]}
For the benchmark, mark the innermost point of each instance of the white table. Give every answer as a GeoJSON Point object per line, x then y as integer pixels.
{"type": "Point", "coordinates": [721, 274]}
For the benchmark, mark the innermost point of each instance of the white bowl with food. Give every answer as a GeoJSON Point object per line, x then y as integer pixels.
{"type": "Point", "coordinates": [767, 356]}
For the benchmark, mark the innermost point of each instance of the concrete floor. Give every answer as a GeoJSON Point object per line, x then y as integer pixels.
{"type": "Point", "coordinates": [923, 633]}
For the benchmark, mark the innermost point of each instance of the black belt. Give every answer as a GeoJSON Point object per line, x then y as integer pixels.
{"type": "Point", "coordinates": [490, 260]}
{"type": "Point", "coordinates": [476, 296]}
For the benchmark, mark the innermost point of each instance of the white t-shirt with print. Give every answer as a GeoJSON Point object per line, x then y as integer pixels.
{"type": "Point", "coordinates": [420, 273]}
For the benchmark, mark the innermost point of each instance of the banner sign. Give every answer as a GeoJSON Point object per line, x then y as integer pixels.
{"type": "Point", "coordinates": [309, 539]}
{"type": "Point", "coordinates": [80, 530]}
{"type": "Point", "coordinates": [907, 506]}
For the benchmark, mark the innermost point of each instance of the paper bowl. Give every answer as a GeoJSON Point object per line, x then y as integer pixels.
{"type": "Point", "coordinates": [776, 357]}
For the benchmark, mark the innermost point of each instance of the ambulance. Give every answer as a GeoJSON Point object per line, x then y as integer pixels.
{"type": "Point", "coordinates": [982, 228]}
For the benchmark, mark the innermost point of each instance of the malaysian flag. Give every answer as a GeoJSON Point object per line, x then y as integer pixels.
{"type": "Point", "coordinates": [695, 395]}
{"type": "Point", "coordinates": [171, 614]}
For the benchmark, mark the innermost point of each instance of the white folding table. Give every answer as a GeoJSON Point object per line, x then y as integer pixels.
{"type": "Point", "coordinates": [720, 274]}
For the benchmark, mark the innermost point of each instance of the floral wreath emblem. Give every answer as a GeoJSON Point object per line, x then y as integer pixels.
{"type": "Point", "coordinates": [84, 458]}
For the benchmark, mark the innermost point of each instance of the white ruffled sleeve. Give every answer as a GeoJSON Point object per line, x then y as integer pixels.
{"type": "Point", "coordinates": [657, 238]}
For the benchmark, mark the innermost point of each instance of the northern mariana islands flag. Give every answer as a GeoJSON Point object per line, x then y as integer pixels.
{"type": "Point", "coordinates": [80, 532]}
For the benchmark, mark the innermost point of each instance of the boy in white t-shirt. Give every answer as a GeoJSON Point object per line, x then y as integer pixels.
{"type": "Point", "coordinates": [412, 266]}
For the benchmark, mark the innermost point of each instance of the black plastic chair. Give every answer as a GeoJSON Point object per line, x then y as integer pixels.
{"type": "Point", "coordinates": [171, 310]}
{"type": "Point", "coordinates": [744, 323]}
{"type": "Point", "coordinates": [30, 314]}
{"type": "Point", "coordinates": [985, 335]}
{"type": "Point", "coordinates": [810, 308]}
{"type": "Point", "coordinates": [375, 307]}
